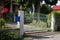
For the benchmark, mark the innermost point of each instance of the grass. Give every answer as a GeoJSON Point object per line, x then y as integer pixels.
{"type": "Point", "coordinates": [10, 35]}
{"type": "Point", "coordinates": [40, 24]}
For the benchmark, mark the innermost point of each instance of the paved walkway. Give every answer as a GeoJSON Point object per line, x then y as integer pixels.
{"type": "Point", "coordinates": [37, 36]}
{"type": "Point", "coordinates": [26, 27]}
{"type": "Point", "coordinates": [43, 36]}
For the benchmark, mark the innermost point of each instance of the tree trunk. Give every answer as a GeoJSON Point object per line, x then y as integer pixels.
{"type": "Point", "coordinates": [33, 8]}
{"type": "Point", "coordinates": [37, 10]}
{"type": "Point", "coordinates": [11, 10]}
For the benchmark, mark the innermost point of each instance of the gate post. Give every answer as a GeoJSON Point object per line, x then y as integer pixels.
{"type": "Point", "coordinates": [21, 14]}
{"type": "Point", "coordinates": [53, 21]}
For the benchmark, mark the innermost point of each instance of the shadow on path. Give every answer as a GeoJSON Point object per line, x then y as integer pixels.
{"type": "Point", "coordinates": [39, 36]}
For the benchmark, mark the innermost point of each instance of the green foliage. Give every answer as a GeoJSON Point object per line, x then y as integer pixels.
{"type": "Point", "coordinates": [9, 35]}
{"type": "Point", "coordinates": [57, 19]}
{"type": "Point", "coordinates": [57, 15]}
{"type": "Point", "coordinates": [8, 17]}
{"type": "Point", "coordinates": [51, 3]}
{"type": "Point", "coordinates": [28, 3]}
{"type": "Point", "coordinates": [7, 5]}
{"type": "Point", "coordinates": [45, 9]}
{"type": "Point", "coordinates": [49, 20]}
{"type": "Point", "coordinates": [2, 23]}
{"type": "Point", "coordinates": [28, 18]}
{"type": "Point", "coordinates": [16, 1]}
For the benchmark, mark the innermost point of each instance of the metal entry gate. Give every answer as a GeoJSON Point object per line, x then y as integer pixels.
{"type": "Point", "coordinates": [42, 25]}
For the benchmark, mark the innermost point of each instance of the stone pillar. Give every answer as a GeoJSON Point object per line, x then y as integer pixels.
{"type": "Point", "coordinates": [21, 14]}
{"type": "Point", "coordinates": [53, 21]}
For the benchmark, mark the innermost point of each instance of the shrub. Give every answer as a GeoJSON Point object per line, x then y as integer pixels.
{"type": "Point", "coordinates": [45, 9]}
{"type": "Point", "coordinates": [2, 23]}
{"type": "Point", "coordinates": [9, 35]}
{"type": "Point", "coordinates": [28, 18]}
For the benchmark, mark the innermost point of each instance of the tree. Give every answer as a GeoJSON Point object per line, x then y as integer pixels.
{"type": "Point", "coordinates": [28, 4]}
{"type": "Point", "coordinates": [45, 9]}
{"type": "Point", "coordinates": [51, 2]}
{"type": "Point", "coordinates": [36, 3]}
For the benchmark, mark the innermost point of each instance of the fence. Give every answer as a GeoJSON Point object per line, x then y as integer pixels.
{"type": "Point", "coordinates": [44, 21]}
